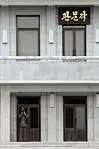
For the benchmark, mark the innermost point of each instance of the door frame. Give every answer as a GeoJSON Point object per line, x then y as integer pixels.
{"type": "Point", "coordinates": [39, 116]}
{"type": "Point", "coordinates": [74, 106]}
{"type": "Point", "coordinates": [83, 27]}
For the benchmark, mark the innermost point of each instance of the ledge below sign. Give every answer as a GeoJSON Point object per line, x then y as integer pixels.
{"type": "Point", "coordinates": [74, 15]}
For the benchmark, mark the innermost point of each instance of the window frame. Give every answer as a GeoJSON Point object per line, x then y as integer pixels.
{"type": "Point", "coordinates": [27, 29]}
{"type": "Point", "coordinates": [73, 28]}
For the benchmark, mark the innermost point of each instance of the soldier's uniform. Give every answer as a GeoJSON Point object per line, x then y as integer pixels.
{"type": "Point", "coordinates": [23, 127]}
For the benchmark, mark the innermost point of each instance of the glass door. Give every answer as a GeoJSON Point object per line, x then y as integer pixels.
{"type": "Point", "coordinates": [75, 123]}
{"type": "Point", "coordinates": [28, 119]}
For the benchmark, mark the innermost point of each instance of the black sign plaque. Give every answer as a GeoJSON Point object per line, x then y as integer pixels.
{"type": "Point", "coordinates": [74, 15]}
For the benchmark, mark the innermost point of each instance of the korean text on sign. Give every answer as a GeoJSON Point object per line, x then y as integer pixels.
{"type": "Point", "coordinates": [76, 16]}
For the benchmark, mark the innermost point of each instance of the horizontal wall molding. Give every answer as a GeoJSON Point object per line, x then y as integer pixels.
{"type": "Point", "coordinates": [49, 2]}
{"type": "Point", "coordinates": [58, 82]}
{"type": "Point", "coordinates": [49, 58]}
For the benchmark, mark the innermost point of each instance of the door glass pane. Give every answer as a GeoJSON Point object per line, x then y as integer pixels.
{"type": "Point", "coordinates": [75, 100]}
{"type": "Point", "coordinates": [69, 124]}
{"type": "Point", "coordinates": [34, 124]}
{"type": "Point", "coordinates": [28, 43]}
{"type": "Point", "coordinates": [34, 117]}
{"type": "Point", "coordinates": [69, 117]}
{"type": "Point", "coordinates": [28, 22]}
{"type": "Point", "coordinates": [68, 42]}
{"type": "Point", "coordinates": [80, 42]}
{"type": "Point", "coordinates": [80, 123]}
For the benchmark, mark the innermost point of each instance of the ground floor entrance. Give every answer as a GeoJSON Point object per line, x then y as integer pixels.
{"type": "Point", "coordinates": [75, 118]}
{"type": "Point", "coordinates": [28, 119]}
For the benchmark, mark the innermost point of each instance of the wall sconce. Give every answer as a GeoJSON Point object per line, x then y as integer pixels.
{"type": "Point", "coordinates": [52, 100]}
{"type": "Point", "coordinates": [97, 35]}
{"type": "Point", "coordinates": [51, 38]}
{"type": "Point", "coordinates": [5, 36]}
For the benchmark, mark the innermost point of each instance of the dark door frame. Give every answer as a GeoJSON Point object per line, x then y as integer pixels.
{"type": "Point", "coordinates": [29, 105]}
{"type": "Point", "coordinates": [74, 105]}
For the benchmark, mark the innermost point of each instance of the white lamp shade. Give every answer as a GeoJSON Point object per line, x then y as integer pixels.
{"type": "Point", "coordinates": [97, 35]}
{"type": "Point", "coordinates": [52, 101]}
{"type": "Point", "coordinates": [5, 36]}
{"type": "Point", "coordinates": [51, 38]}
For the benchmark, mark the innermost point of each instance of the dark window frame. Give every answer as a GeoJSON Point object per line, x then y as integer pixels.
{"type": "Point", "coordinates": [27, 29]}
{"type": "Point", "coordinates": [64, 116]}
{"type": "Point", "coordinates": [80, 27]}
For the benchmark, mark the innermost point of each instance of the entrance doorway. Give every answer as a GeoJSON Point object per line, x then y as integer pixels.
{"type": "Point", "coordinates": [75, 118]}
{"type": "Point", "coordinates": [28, 119]}
{"type": "Point", "coordinates": [74, 41]}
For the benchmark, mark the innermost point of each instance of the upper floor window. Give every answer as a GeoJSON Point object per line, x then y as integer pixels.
{"type": "Point", "coordinates": [74, 41]}
{"type": "Point", "coordinates": [28, 35]}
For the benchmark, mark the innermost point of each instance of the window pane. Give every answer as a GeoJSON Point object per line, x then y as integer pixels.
{"type": "Point", "coordinates": [75, 99]}
{"type": "Point", "coordinates": [28, 43]}
{"type": "Point", "coordinates": [28, 22]}
{"type": "Point", "coordinates": [80, 44]}
{"type": "Point", "coordinates": [34, 117]}
{"type": "Point", "coordinates": [69, 117]}
{"type": "Point", "coordinates": [80, 123]}
{"type": "Point", "coordinates": [68, 43]}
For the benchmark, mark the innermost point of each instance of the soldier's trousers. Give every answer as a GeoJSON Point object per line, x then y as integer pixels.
{"type": "Point", "coordinates": [23, 134]}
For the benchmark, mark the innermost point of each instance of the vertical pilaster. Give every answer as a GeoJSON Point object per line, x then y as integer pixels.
{"type": "Point", "coordinates": [13, 118]}
{"type": "Point", "coordinates": [90, 117]}
{"type": "Point", "coordinates": [5, 26]}
{"type": "Point", "coordinates": [96, 117]}
{"type": "Point", "coordinates": [51, 25]}
{"type": "Point", "coordinates": [52, 118]}
{"type": "Point", "coordinates": [43, 118]}
{"type": "Point", "coordinates": [59, 118]}
{"type": "Point", "coordinates": [5, 114]}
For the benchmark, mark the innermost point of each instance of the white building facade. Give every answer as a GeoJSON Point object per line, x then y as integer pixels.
{"type": "Point", "coordinates": [51, 70]}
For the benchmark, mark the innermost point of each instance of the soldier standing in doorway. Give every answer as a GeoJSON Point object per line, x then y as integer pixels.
{"type": "Point", "coordinates": [23, 119]}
